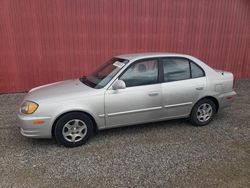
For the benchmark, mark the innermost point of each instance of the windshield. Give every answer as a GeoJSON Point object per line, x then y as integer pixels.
{"type": "Point", "coordinates": [102, 75]}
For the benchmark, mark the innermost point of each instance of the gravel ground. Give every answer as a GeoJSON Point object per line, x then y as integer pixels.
{"type": "Point", "coordinates": [164, 154]}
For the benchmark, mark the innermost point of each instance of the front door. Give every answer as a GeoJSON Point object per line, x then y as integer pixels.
{"type": "Point", "coordinates": [140, 101]}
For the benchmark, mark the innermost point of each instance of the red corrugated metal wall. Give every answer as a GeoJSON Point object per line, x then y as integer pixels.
{"type": "Point", "coordinates": [43, 41]}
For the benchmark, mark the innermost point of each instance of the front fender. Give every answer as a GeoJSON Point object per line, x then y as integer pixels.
{"type": "Point", "coordinates": [96, 115]}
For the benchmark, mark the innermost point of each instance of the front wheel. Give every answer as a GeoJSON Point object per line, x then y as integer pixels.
{"type": "Point", "coordinates": [203, 112]}
{"type": "Point", "coordinates": [73, 129]}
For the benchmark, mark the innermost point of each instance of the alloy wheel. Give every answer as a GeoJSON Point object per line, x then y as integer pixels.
{"type": "Point", "coordinates": [74, 130]}
{"type": "Point", "coordinates": [204, 112]}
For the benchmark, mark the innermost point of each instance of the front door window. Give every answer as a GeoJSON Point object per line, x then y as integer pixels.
{"type": "Point", "coordinates": [144, 72]}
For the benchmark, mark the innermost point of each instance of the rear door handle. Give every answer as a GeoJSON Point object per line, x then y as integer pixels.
{"type": "Point", "coordinates": [199, 88]}
{"type": "Point", "coordinates": [154, 93]}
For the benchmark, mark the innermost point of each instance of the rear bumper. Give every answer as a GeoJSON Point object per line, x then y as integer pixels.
{"type": "Point", "coordinates": [30, 129]}
{"type": "Point", "coordinates": [226, 99]}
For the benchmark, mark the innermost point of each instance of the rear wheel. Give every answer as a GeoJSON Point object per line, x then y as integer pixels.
{"type": "Point", "coordinates": [203, 112]}
{"type": "Point", "coordinates": [73, 129]}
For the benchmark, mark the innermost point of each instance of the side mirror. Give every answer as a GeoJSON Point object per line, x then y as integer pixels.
{"type": "Point", "coordinates": [119, 84]}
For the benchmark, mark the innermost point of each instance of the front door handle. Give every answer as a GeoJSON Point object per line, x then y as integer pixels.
{"type": "Point", "coordinates": [199, 88]}
{"type": "Point", "coordinates": [154, 93]}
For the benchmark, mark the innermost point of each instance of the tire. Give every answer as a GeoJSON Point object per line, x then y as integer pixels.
{"type": "Point", "coordinates": [73, 129]}
{"type": "Point", "coordinates": [203, 112]}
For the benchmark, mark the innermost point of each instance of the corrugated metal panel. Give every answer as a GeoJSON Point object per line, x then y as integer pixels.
{"type": "Point", "coordinates": [42, 41]}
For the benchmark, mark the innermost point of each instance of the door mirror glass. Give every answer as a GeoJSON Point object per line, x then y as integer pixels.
{"type": "Point", "coordinates": [119, 84]}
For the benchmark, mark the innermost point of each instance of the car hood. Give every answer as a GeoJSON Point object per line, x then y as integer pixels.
{"type": "Point", "coordinates": [59, 90]}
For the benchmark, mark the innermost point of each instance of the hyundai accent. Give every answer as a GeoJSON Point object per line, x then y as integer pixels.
{"type": "Point", "coordinates": [127, 90]}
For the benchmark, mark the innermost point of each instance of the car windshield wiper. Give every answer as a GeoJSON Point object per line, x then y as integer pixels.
{"type": "Point", "coordinates": [82, 79]}
{"type": "Point", "coordinates": [87, 82]}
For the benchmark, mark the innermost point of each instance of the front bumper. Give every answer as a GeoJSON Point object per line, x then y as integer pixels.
{"type": "Point", "coordinates": [30, 129]}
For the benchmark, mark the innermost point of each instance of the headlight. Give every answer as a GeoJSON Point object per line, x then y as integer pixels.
{"type": "Point", "coordinates": [28, 107]}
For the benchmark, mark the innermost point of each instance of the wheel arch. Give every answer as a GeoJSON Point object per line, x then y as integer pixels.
{"type": "Point", "coordinates": [61, 115]}
{"type": "Point", "coordinates": [216, 102]}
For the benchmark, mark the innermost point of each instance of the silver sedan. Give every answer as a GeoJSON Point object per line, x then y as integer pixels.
{"type": "Point", "coordinates": [127, 90]}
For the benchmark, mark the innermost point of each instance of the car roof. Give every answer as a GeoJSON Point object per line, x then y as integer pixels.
{"type": "Point", "coordinates": [148, 55]}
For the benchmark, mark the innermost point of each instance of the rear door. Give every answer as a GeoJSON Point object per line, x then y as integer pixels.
{"type": "Point", "coordinates": [183, 83]}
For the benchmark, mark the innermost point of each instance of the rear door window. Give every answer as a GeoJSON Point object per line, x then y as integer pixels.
{"type": "Point", "coordinates": [196, 71]}
{"type": "Point", "coordinates": [175, 69]}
